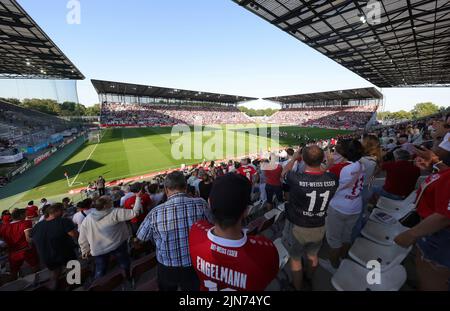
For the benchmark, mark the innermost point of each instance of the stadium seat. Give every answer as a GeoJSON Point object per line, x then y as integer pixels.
{"type": "Point", "coordinates": [107, 283]}
{"type": "Point", "coordinates": [283, 254]}
{"type": "Point", "coordinates": [149, 286]}
{"type": "Point", "coordinates": [253, 227]}
{"type": "Point", "coordinates": [142, 265]}
{"type": "Point", "coordinates": [353, 277]}
{"type": "Point", "coordinates": [384, 217]}
{"type": "Point", "coordinates": [363, 251]}
{"type": "Point", "coordinates": [17, 285]}
{"type": "Point", "coordinates": [400, 208]}
{"type": "Point", "coordinates": [383, 234]}
{"type": "Point", "coordinates": [267, 223]}
{"type": "Point", "coordinates": [273, 213]}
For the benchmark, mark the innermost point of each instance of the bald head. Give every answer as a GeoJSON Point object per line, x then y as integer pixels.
{"type": "Point", "coordinates": [313, 156]}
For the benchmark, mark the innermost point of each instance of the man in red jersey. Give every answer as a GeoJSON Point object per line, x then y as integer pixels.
{"type": "Point", "coordinates": [32, 210]}
{"type": "Point", "coordinates": [222, 255]}
{"type": "Point", "coordinates": [16, 236]}
{"type": "Point", "coordinates": [247, 170]}
{"type": "Point", "coordinates": [146, 202]}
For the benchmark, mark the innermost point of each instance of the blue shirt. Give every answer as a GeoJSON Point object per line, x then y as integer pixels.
{"type": "Point", "coordinates": [168, 225]}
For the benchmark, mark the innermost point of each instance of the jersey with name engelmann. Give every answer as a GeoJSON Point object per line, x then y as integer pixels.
{"type": "Point", "coordinates": [309, 196]}
{"type": "Point", "coordinates": [248, 264]}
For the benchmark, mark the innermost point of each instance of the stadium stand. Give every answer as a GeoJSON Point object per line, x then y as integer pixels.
{"type": "Point", "coordinates": [351, 109]}
{"type": "Point", "coordinates": [381, 232]}
{"type": "Point", "coordinates": [125, 104]}
{"type": "Point", "coordinates": [125, 114]}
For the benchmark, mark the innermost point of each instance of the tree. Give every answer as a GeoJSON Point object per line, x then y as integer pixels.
{"type": "Point", "coordinates": [424, 109]}
{"type": "Point", "coordinates": [93, 110]}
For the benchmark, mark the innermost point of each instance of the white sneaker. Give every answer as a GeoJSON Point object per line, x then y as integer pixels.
{"type": "Point", "coordinates": [326, 264]}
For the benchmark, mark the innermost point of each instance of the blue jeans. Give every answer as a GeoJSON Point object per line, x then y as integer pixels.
{"type": "Point", "coordinates": [366, 195]}
{"type": "Point", "coordinates": [381, 192]}
{"type": "Point", "coordinates": [436, 248]}
{"type": "Point", "coordinates": [121, 255]}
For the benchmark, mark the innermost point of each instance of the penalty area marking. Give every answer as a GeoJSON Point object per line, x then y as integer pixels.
{"type": "Point", "coordinates": [84, 164]}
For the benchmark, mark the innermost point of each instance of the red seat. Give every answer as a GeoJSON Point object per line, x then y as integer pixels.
{"type": "Point", "coordinates": [142, 265]}
{"type": "Point", "coordinates": [150, 286]}
{"type": "Point", "coordinates": [107, 283]}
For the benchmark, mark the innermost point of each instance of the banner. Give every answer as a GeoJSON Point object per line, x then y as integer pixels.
{"type": "Point", "coordinates": [42, 157]}
{"type": "Point", "coordinates": [21, 169]}
{"type": "Point", "coordinates": [11, 158]}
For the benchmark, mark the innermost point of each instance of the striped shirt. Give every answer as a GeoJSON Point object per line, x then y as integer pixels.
{"type": "Point", "coordinates": [168, 225]}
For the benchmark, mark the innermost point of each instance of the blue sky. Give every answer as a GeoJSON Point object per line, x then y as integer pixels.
{"type": "Point", "coordinates": [205, 45]}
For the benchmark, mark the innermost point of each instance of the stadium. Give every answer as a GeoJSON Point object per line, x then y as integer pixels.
{"type": "Point", "coordinates": [165, 189]}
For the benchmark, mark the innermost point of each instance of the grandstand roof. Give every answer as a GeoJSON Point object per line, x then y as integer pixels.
{"type": "Point", "coordinates": [26, 51]}
{"type": "Point", "coordinates": [354, 94]}
{"type": "Point", "coordinates": [107, 87]}
{"type": "Point", "coordinates": [397, 44]}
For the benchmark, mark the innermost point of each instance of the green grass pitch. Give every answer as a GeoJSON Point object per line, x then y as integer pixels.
{"type": "Point", "coordinates": [131, 152]}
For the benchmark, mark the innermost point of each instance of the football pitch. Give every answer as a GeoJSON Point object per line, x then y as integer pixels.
{"type": "Point", "coordinates": [130, 152]}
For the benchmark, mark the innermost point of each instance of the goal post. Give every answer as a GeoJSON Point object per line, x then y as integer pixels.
{"type": "Point", "coordinates": [94, 136]}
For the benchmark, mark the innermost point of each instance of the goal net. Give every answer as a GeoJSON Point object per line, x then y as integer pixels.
{"type": "Point", "coordinates": [94, 136]}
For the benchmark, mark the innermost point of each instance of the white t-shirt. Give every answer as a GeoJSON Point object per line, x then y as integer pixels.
{"type": "Point", "coordinates": [445, 144]}
{"type": "Point", "coordinates": [79, 217]}
{"type": "Point", "coordinates": [347, 199]}
{"type": "Point", "coordinates": [370, 164]}
{"type": "Point", "coordinates": [125, 197]}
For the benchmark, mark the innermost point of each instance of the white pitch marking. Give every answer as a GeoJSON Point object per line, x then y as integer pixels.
{"type": "Point", "coordinates": [84, 164]}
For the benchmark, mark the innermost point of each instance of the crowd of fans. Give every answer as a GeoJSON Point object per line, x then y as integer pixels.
{"type": "Point", "coordinates": [126, 114]}
{"type": "Point", "coordinates": [194, 218]}
{"type": "Point", "coordinates": [331, 117]}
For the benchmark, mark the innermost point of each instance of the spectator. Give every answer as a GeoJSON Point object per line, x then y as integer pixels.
{"type": "Point", "coordinates": [69, 208]}
{"type": "Point", "coordinates": [191, 182]}
{"type": "Point", "coordinates": [272, 172]}
{"type": "Point", "coordinates": [32, 211]}
{"type": "Point", "coordinates": [401, 176]}
{"type": "Point", "coordinates": [241, 263]}
{"type": "Point", "coordinates": [127, 194]}
{"type": "Point", "coordinates": [83, 209]}
{"type": "Point", "coordinates": [16, 235]}
{"type": "Point", "coordinates": [372, 157]}
{"type": "Point", "coordinates": [146, 203]}
{"type": "Point", "coordinates": [101, 183]}
{"type": "Point", "coordinates": [53, 238]}
{"type": "Point", "coordinates": [104, 233]}
{"type": "Point", "coordinates": [156, 195]}
{"type": "Point", "coordinates": [432, 234]}
{"type": "Point", "coordinates": [44, 202]}
{"type": "Point", "coordinates": [310, 194]}
{"type": "Point", "coordinates": [205, 187]}
{"type": "Point", "coordinates": [6, 217]}
{"type": "Point", "coordinates": [346, 205]}
{"type": "Point", "coordinates": [168, 225]}
{"type": "Point", "coordinates": [247, 170]}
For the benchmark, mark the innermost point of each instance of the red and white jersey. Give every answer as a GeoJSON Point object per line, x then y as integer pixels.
{"type": "Point", "coordinates": [436, 195]}
{"type": "Point", "coordinates": [248, 171]}
{"type": "Point", "coordinates": [248, 264]}
{"type": "Point", "coordinates": [347, 199]}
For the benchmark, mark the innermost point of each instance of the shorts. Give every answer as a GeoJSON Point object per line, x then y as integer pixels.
{"type": "Point", "coordinates": [300, 241]}
{"type": "Point", "coordinates": [16, 259]}
{"type": "Point", "coordinates": [285, 187]}
{"type": "Point", "coordinates": [435, 248]}
{"type": "Point", "coordinates": [339, 227]}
